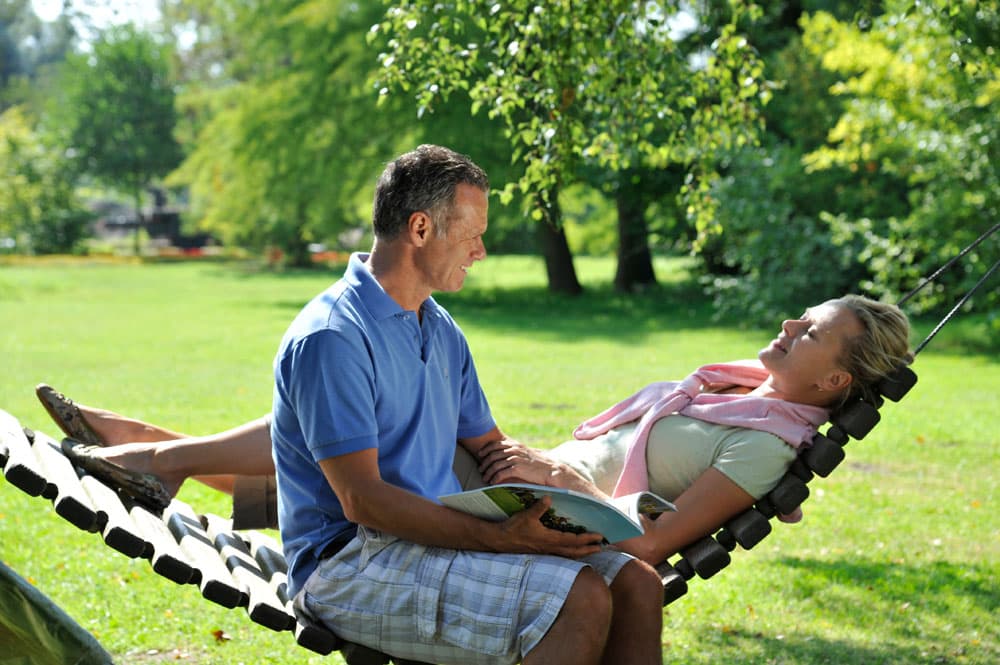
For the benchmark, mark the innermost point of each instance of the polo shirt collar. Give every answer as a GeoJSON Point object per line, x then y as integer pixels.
{"type": "Point", "coordinates": [379, 303]}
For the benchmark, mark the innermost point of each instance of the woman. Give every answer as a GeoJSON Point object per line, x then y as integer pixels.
{"type": "Point", "coordinates": [713, 443]}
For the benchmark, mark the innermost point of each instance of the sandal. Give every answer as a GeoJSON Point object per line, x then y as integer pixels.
{"type": "Point", "coordinates": [67, 415]}
{"type": "Point", "coordinates": [144, 488]}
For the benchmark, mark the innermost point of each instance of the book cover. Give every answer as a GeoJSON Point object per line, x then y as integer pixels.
{"type": "Point", "coordinates": [616, 519]}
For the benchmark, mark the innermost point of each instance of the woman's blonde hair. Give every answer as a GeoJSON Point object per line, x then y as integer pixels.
{"type": "Point", "coordinates": [881, 348]}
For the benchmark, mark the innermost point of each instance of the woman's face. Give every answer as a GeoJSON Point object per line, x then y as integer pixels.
{"type": "Point", "coordinates": [804, 355]}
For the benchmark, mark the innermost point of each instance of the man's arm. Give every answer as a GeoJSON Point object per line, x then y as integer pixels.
{"type": "Point", "coordinates": [369, 500]}
{"type": "Point", "coordinates": [475, 444]}
{"type": "Point", "coordinates": [508, 461]}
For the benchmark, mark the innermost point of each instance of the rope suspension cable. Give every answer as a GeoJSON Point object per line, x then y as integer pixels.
{"type": "Point", "coordinates": [954, 309]}
{"type": "Point", "coordinates": [949, 264]}
{"type": "Point", "coordinates": [964, 298]}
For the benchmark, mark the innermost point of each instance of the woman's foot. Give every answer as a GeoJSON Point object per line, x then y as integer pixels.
{"type": "Point", "coordinates": [97, 427]}
{"type": "Point", "coordinates": [67, 415]}
{"type": "Point", "coordinates": [143, 487]}
{"type": "Point", "coordinates": [146, 459]}
{"type": "Point", "coordinates": [133, 445]}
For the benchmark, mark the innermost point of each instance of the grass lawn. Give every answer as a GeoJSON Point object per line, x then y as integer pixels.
{"type": "Point", "coordinates": [897, 560]}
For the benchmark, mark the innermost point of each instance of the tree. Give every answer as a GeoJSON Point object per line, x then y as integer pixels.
{"type": "Point", "coordinates": [634, 191]}
{"type": "Point", "coordinates": [606, 84]}
{"type": "Point", "coordinates": [118, 112]}
{"type": "Point", "coordinates": [27, 47]}
{"type": "Point", "coordinates": [287, 140]}
{"type": "Point", "coordinates": [878, 166]}
{"type": "Point", "coordinates": [38, 207]}
{"type": "Point", "coordinates": [775, 249]}
{"type": "Point", "coordinates": [922, 107]}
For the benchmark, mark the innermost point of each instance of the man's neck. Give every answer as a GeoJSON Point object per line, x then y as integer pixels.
{"type": "Point", "coordinates": [391, 266]}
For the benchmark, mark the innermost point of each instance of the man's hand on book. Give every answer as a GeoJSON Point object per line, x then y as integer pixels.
{"type": "Point", "coordinates": [524, 533]}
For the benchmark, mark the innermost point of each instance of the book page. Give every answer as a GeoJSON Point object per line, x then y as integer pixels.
{"type": "Point", "coordinates": [476, 503]}
{"type": "Point", "coordinates": [642, 503]}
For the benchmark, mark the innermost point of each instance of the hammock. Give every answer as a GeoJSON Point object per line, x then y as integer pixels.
{"type": "Point", "coordinates": [243, 569]}
{"type": "Point", "coordinates": [246, 569]}
{"type": "Point", "coordinates": [709, 555]}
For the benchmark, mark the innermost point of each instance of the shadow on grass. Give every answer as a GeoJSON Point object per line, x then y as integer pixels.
{"type": "Point", "coordinates": [598, 312]}
{"type": "Point", "coordinates": [807, 649]}
{"type": "Point", "coordinates": [936, 583]}
{"type": "Point", "coordinates": [935, 613]}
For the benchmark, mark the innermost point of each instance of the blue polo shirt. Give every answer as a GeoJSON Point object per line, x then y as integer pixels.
{"type": "Point", "coordinates": [357, 371]}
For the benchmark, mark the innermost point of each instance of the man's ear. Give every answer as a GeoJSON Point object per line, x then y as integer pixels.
{"type": "Point", "coordinates": [420, 228]}
{"type": "Point", "coordinates": [837, 380]}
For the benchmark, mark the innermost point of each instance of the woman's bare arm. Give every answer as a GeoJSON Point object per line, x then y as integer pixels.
{"type": "Point", "coordinates": [703, 507]}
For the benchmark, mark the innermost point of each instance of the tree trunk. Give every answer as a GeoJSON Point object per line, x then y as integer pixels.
{"type": "Point", "coordinates": [298, 254]}
{"type": "Point", "coordinates": [137, 195]}
{"type": "Point", "coordinates": [297, 247]}
{"type": "Point", "coordinates": [558, 259]}
{"type": "Point", "coordinates": [635, 264]}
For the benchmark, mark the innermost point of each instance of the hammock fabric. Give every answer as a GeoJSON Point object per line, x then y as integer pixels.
{"type": "Point", "coordinates": [34, 630]}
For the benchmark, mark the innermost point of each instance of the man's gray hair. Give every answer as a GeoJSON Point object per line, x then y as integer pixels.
{"type": "Point", "coordinates": [422, 180]}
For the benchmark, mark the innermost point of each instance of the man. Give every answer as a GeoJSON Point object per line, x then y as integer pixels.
{"type": "Point", "coordinates": [374, 384]}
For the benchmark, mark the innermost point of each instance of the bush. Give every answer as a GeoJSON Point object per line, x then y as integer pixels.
{"type": "Point", "coordinates": [38, 206]}
{"type": "Point", "coordinates": [776, 251]}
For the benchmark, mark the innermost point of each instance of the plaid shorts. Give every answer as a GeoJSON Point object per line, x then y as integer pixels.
{"type": "Point", "coordinates": [439, 605]}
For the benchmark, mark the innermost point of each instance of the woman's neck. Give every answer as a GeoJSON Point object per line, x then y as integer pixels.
{"type": "Point", "coordinates": [811, 395]}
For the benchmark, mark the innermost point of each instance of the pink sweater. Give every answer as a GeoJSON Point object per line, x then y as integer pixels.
{"type": "Point", "coordinates": [793, 422]}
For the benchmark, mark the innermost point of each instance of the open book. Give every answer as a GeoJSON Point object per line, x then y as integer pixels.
{"type": "Point", "coordinates": [615, 519]}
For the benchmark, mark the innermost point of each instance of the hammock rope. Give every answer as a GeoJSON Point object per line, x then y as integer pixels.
{"type": "Point", "coordinates": [964, 299]}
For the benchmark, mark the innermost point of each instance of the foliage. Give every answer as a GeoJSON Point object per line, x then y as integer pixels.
{"type": "Point", "coordinates": [289, 141]}
{"type": "Point", "coordinates": [26, 43]}
{"type": "Point", "coordinates": [590, 221]}
{"type": "Point", "coordinates": [877, 168]}
{"type": "Point", "coordinates": [771, 255]}
{"type": "Point", "coordinates": [778, 244]}
{"type": "Point", "coordinates": [609, 86]}
{"type": "Point", "coordinates": [117, 111]}
{"type": "Point", "coordinates": [39, 210]}
{"type": "Point", "coordinates": [29, 48]}
{"type": "Point", "coordinates": [921, 95]}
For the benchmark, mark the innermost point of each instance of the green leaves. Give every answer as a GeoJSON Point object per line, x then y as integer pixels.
{"type": "Point", "coordinates": [38, 207]}
{"type": "Point", "coordinates": [920, 105]}
{"type": "Point", "coordinates": [289, 151]}
{"type": "Point", "coordinates": [608, 83]}
{"type": "Point", "coordinates": [881, 165]}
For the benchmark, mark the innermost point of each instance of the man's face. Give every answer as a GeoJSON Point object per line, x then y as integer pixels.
{"type": "Point", "coordinates": [447, 259]}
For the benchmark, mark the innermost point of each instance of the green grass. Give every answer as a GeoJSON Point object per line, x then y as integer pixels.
{"type": "Point", "coordinates": [896, 561]}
